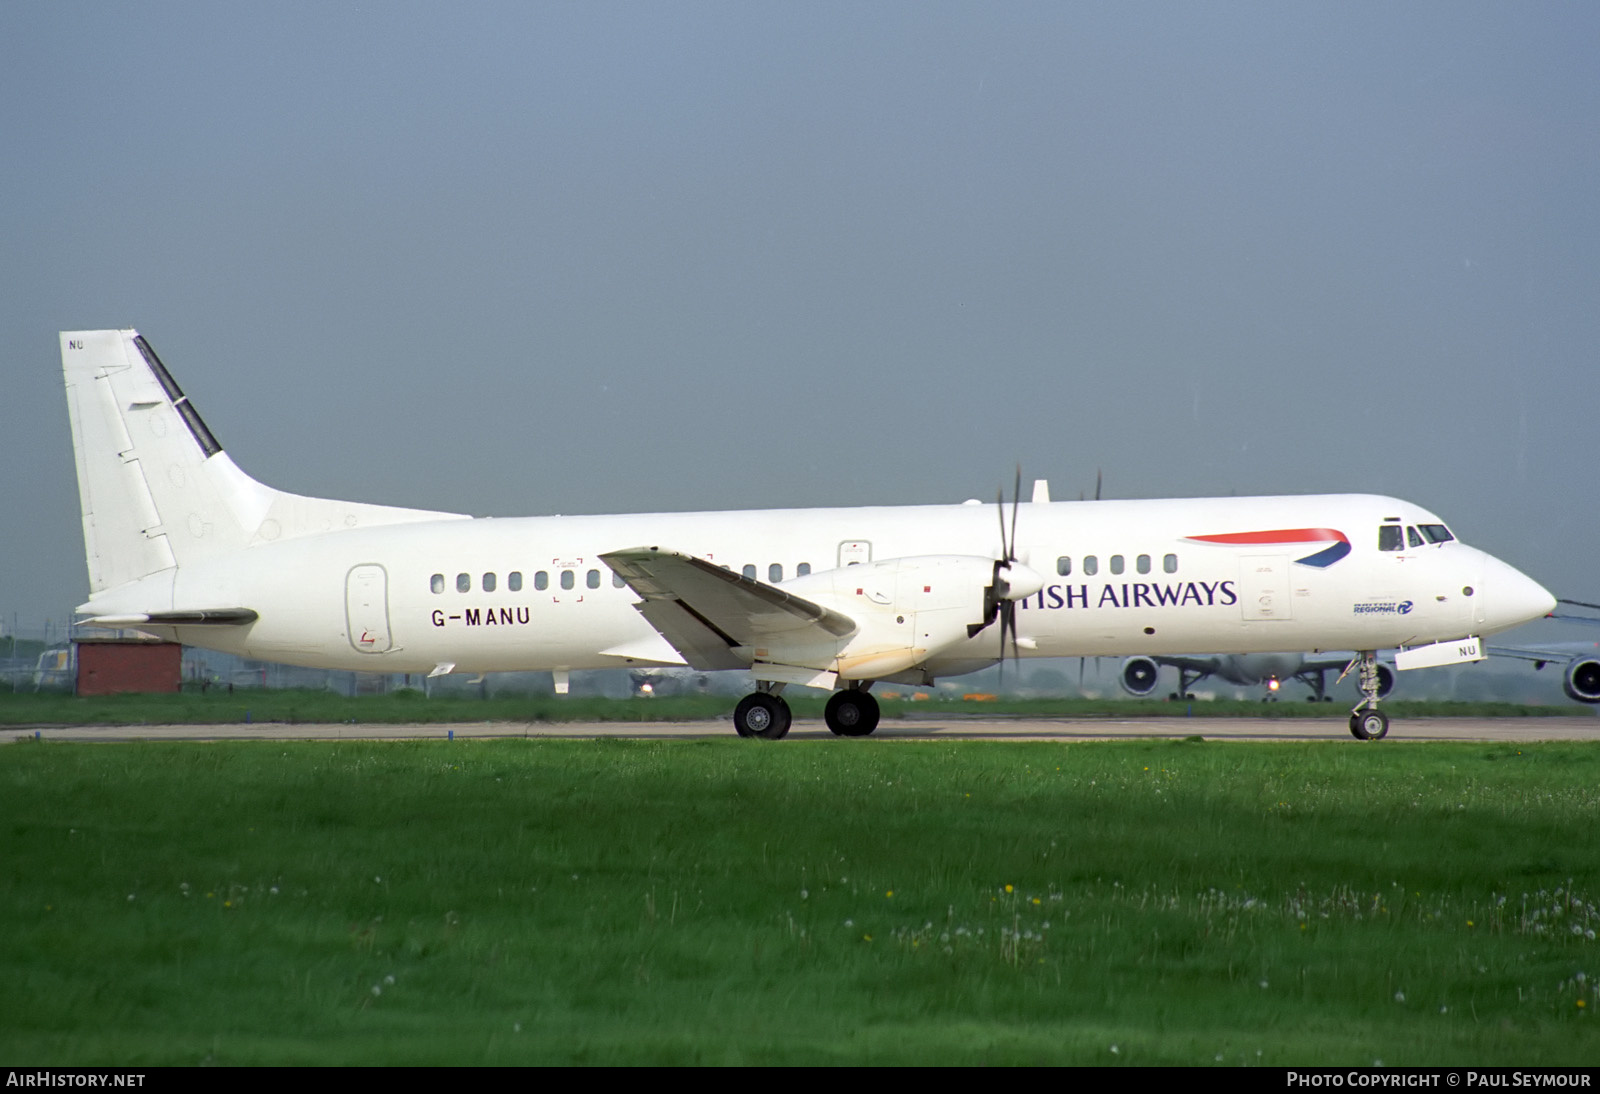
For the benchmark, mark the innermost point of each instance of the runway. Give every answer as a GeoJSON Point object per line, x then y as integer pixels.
{"type": "Point", "coordinates": [1519, 730]}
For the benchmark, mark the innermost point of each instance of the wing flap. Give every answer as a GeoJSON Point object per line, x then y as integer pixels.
{"type": "Point", "coordinates": [702, 646]}
{"type": "Point", "coordinates": [712, 616]}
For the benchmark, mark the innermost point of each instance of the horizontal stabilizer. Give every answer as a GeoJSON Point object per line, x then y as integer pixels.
{"type": "Point", "coordinates": [214, 617]}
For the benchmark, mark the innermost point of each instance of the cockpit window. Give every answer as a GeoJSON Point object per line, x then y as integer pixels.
{"type": "Point", "coordinates": [1391, 538]}
{"type": "Point", "coordinates": [1437, 533]}
{"type": "Point", "coordinates": [1413, 536]}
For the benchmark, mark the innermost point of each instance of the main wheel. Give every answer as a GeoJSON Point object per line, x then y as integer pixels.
{"type": "Point", "coordinates": [851, 713]}
{"type": "Point", "coordinates": [1369, 725]}
{"type": "Point", "coordinates": [761, 715]}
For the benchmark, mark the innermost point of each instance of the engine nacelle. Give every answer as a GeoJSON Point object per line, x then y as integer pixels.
{"type": "Point", "coordinates": [1385, 681]}
{"type": "Point", "coordinates": [905, 611]}
{"type": "Point", "coordinates": [1582, 680]}
{"type": "Point", "coordinates": [1140, 675]}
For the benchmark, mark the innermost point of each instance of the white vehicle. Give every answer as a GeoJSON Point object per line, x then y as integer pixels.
{"type": "Point", "coordinates": [183, 544]}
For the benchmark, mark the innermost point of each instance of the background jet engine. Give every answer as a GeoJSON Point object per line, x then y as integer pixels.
{"type": "Point", "coordinates": [1582, 681]}
{"type": "Point", "coordinates": [1385, 681]}
{"type": "Point", "coordinates": [1140, 676]}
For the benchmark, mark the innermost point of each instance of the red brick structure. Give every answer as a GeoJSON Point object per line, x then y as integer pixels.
{"type": "Point", "coordinates": [111, 666]}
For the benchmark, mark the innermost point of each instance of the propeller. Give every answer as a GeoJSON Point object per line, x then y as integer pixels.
{"type": "Point", "coordinates": [1012, 580]}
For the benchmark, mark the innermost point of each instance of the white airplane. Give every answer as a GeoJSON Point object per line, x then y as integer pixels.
{"type": "Point", "coordinates": [1141, 675]}
{"type": "Point", "coordinates": [1580, 661]}
{"type": "Point", "coordinates": [1580, 678]}
{"type": "Point", "coordinates": [184, 545]}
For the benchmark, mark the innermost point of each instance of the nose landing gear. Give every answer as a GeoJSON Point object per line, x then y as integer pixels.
{"type": "Point", "coordinates": [1367, 722]}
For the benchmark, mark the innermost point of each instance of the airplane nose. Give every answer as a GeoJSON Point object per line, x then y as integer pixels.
{"type": "Point", "coordinates": [1511, 597]}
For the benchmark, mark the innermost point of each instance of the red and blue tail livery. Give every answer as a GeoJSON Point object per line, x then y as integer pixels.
{"type": "Point", "coordinates": [1338, 542]}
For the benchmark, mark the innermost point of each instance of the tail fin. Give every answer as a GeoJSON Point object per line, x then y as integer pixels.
{"type": "Point", "coordinates": [156, 488]}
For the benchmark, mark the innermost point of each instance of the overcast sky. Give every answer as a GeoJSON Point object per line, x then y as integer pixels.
{"type": "Point", "coordinates": [534, 258]}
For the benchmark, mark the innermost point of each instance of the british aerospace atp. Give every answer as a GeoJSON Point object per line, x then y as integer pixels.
{"type": "Point", "coordinates": [184, 545]}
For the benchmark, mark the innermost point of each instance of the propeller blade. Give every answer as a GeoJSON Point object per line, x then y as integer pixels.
{"type": "Point", "coordinates": [1016, 498]}
{"type": "Point", "coordinates": [1000, 512]}
{"type": "Point", "coordinates": [1002, 604]}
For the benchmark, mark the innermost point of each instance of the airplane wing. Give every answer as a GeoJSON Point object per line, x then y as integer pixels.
{"type": "Point", "coordinates": [1560, 652]}
{"type": "Point", "coordinates": [1309, 668]}
{"type": "Point", "coordinates": [1578, 663]}
{"type": "Point", "coordinates": [1546, 655]}
{"type": "Point", "coordinates": [1202, 666]}
{"type": "Point", "coordinates": [1575, 617]}
{"type": "Point", "coordinates": [709, 614]}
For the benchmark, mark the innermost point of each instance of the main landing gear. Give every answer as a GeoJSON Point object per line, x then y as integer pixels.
{"type": "Point", "coordinates": [851, 712]}
{"type": "Point", "coordinates": [763, 713]}
{"type": "Point", "coordinates": [1367, 722]}
{"type": "Point", "coordinates": [1186, 680]}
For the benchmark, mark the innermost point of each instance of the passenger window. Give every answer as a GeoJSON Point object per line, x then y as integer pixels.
{"type": "Point", "coordinates": [592, 579]}
{"type": "Point", "coordinates": [1390, 538]}
{"type": "Point", "coordinates": [802, 570]}
{"type": "Point", "coordinates": [514, 581]}
{"type": "Point", "coordinates": [775, 572]}
{"type": "Point", "coordinates": [616, 580]}
{"type": "Point", "coordinates": [436, 583]}
{"type": "Point", "coordinates": [1142, 564]}
{"type": "Point", "coordinates": [1169, 563]}
{"type": "Point", "coordinates": [1091, 565]}
{"type": "Point", "coordinates": [568, 579]}
{"type": "Point", "coordinates": [488, 583]}
{"type": "Point", "coordinates": [541, 580]}
{"type": "Point", "coordinates": [1116, 564]}
{"type": "Point", "coordinates": [463, 583]}
{"type": "Point", "coordinates": [1413, 536]}
{"type": "Point", "coordinates": [749, 570]}
{"type": "Point", "coordinates": [1064, 566]}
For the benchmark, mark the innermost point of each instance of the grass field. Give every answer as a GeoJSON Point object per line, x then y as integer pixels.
{"type": "Point", "coordinates": [829, 902]}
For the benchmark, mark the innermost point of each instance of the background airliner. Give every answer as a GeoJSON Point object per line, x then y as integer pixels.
{"type": "Point", "coordinates": [1141, 676]}
{"type": "Point", "coordinates": [183, 544]}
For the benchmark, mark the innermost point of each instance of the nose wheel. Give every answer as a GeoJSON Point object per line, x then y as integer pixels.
{"type": "Point", "coordinates": [1367, 722]}
{"type": "Point", "coordinates": [1369, 725]}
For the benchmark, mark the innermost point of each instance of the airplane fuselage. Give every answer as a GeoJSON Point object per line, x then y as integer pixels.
{"type": "Point", "coordinates": [412, 597]}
